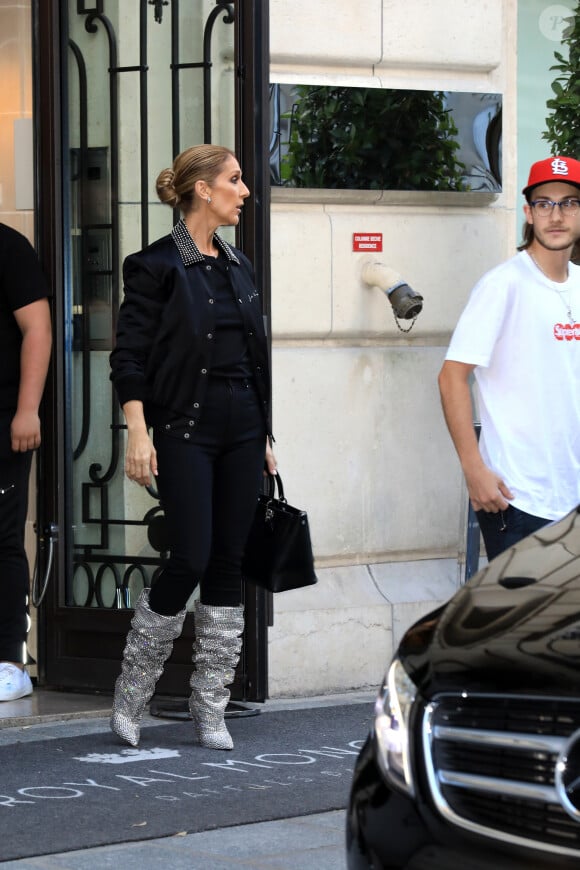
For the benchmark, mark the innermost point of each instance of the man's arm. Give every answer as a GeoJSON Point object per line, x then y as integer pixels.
{"type": "Point", "coordinates": [486, 489]}
{"type": "Point", "coordinates": [34, 323]}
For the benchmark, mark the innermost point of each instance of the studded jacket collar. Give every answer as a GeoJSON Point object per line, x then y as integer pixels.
{"type": "Point", "coordinates": [189, 251]}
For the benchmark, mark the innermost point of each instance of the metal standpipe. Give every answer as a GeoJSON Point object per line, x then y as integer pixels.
{"type": "Point", "coordinates": [473, 537]}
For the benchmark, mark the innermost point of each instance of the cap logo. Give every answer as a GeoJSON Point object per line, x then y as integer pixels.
{"type": "Point", "coordinates": [559, 167]}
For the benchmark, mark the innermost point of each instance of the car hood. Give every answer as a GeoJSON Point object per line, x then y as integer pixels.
{"type": "Point", "coordinates": [513, 628]}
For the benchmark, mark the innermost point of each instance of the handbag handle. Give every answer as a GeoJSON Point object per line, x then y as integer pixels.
{"type": "Point", "coordinates": [273, 481]}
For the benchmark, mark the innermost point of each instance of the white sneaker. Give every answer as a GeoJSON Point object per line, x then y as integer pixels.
{"type": "Point", "coordinates": [14, 683]}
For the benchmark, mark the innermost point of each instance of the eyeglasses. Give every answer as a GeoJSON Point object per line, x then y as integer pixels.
{"type": "Point", "coordinates": [545, 207]}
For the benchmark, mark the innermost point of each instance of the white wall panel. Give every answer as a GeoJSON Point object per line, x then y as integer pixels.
{"type": "Point", "coordinates": [362, 446]}
{"type": "Point", "coordinates": [301, 271]}
{"type": "Point", "coordinates": [456, 45]}
{"type": "Point", "coordinates": [325, 33]}
{"type": "Point", "coordinates": [455, 34]}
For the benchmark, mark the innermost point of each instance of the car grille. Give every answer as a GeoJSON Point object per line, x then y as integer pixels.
{"type": "Point", "coordinates": [491, 765]}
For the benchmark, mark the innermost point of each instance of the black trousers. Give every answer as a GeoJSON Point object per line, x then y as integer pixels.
{"type": "Point", "coordinates": [208, 485]}
{"type": "Point", "coordinates": [14, 568]}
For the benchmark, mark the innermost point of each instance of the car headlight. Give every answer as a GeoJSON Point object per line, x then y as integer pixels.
{"type": "Point", "coordinates": [392, 712]}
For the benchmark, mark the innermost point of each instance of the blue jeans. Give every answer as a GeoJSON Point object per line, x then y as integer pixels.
{"type": "Point", "coordinates": [502, 530]}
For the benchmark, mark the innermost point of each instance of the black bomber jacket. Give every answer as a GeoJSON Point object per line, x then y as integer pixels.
{"type": "Point", "coordinates": [163, 349]}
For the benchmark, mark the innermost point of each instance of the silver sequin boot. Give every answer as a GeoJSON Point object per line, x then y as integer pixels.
{"type": "Point", "coordinates": [216, 653]}
{"type": "Point", "coordinates": [149, 645]}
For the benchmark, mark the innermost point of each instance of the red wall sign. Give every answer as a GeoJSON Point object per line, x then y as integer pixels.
{"type": "Point", "coordinates": [367, 241]}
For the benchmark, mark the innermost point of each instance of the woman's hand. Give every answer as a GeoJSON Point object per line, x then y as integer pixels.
{"type": "Point", "coordinates": [140, 456]}
{"type": "Point", "coordinates": [271, 464]}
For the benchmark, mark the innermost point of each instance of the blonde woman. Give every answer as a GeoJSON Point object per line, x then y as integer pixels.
{"type": "Point", "coordinates": [190, 367]}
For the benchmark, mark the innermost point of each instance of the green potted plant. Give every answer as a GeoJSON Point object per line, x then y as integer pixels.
{"type": "Point", "coordinates": [563, 123]}
{"type": "Point", "coordinates": [371, 138]}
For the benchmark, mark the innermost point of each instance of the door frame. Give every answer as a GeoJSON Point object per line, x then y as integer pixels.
{"type": "Point", "coordinates": [80, 648]}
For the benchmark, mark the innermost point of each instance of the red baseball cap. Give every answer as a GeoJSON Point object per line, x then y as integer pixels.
{"type": "Point", "coordinates": [564, 169]}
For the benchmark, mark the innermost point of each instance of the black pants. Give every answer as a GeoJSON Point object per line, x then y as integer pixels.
{"type": "Point", "coordinates": [208, 486]}
{"type": "Point", "coordinates": [504, 529]}
{"type": "Point", "coordinates": [14, 569]}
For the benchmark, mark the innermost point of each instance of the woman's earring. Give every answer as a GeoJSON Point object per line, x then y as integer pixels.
{"type": "Point", "coordinates": [208, 200]}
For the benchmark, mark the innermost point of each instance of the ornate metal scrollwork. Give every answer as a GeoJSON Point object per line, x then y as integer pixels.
{"type": "Point", "coordinates": [102, 574]}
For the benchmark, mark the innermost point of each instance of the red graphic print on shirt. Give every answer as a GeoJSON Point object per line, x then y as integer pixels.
{"type": "Point", "coordinates": [567, 331]}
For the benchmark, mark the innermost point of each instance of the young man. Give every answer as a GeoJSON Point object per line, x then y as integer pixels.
{"type": "Point", "coordinates": [520, 337]}
{"type": "Point", "coordinates": [25, 343]}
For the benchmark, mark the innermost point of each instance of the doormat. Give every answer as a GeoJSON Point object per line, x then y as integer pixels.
{"type": "Point", "coordinates": [60, 795]}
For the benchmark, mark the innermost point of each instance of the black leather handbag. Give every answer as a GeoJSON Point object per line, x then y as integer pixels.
{"type": "Point", "coordinates": [278, 553]}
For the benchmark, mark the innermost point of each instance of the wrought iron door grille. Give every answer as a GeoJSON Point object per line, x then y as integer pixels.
{"type": "Point", "coordinates": [103, 574]}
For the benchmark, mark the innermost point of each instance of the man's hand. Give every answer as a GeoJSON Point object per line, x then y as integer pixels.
{"type": "Point", "coordinates": [487, 490]}
{"type": "Point", "coordinates": [25, 431]}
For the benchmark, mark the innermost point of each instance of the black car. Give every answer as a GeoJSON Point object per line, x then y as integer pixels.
{"type": "Point", "coordinates": [473, 760]}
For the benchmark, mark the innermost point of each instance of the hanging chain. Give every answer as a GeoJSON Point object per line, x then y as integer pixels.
{"type": "Point", "coordinates": [409, 328]}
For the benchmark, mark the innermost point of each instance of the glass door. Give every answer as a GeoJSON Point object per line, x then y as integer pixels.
{"type": "Point", "coordinates": [141, 81]}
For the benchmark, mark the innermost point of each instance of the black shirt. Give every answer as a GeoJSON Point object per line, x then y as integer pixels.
{"type": "Point", "coordinates": [230, 357]}
{"type": "Point", "coordinates": [21, 283]}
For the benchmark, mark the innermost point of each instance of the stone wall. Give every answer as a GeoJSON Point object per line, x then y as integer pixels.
{"type": "Point", "coordinates": [360, 436]}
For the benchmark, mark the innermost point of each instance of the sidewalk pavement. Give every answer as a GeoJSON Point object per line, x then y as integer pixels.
{"type": "Point", "coordinates": [314, 842]}
{"type": "Point", "coordinates": [307, 843]}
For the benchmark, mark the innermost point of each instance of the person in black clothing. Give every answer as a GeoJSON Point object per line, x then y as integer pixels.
{"type": "Point", "coordinates": [25, 345]}
{"type": "Point", "coordinates": [190, 363]}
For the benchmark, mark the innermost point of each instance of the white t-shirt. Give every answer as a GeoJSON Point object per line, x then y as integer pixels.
{"type": "Point", "coordinates": [517, 331]}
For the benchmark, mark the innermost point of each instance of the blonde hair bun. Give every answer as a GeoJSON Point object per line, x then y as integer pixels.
{"type": "Point", "coordinates": [165, 188]}
{"type": "Point", "coordinates": [176, 186]}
